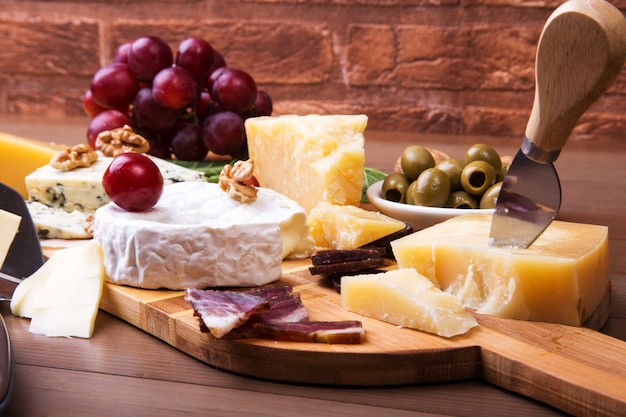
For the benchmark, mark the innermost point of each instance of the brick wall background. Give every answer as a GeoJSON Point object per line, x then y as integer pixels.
{"type": "Point", "coordinates": [436, 66]}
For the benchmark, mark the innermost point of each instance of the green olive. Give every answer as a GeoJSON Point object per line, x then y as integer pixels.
{"type": "Point", "coordinates": [452, 167]}
{"type": "Point", "coordinates": [489, 199]}
{"type": "Point", "coordinates": [462, 200]}
{"type": "Point", "coordinates": [482, 152]}
{"type": "Point", "coordinates": [410, 193]}
{"type": "Point", "coordinates": [394, 188]}
{"type": "Point", "coordinates": [502, 173]}
{"type": "Point", "coordinates": [432, 189]}
{"type": "Point", "coordinates": [477, 177]}
{"type": "Point", "coordinates": [414, 160]}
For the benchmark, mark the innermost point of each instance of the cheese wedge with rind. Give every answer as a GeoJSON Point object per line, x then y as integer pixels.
{"type": "Point", "coordinates": [20, 156]}
{"type": "Point", "coordinates": [62, 297]}
{"type": "Point", "coordinates": [309, 158]}
{"type": "Point", "coordinates": [561, 278]}
{"type": "Point", "coordinates": [349, 227]}
{"type": "Point", "coordinates": [406, 298]}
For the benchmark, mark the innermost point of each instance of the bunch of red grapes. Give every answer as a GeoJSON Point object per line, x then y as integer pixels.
{"type": "Point", "coordinates": [185, 104]}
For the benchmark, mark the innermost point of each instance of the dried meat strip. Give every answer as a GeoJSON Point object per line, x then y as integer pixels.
{"type": "Point", "coordinates": [222, 311]}
{"type": "Point", "coordinates": [345, 332]}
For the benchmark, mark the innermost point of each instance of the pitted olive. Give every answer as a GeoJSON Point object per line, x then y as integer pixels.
{"type": "Point", "coordinates": [452, 167]}
{"type": "Point", "coordinates": [462, 200]}
{"type": "Point", "coordinates": [489, 199]}
{"type": "Point", "coordinates": [395, 187]}
{"type": "Point", "coordinates": [477, 177]}
{"type": "Point", "coordinates": [482, 152]}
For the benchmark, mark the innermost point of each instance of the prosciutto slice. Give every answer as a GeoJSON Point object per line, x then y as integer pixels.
{"type": "Point", "coordinates": [222, 311]}
{"type": "Point", "coordinates": [348, 332]}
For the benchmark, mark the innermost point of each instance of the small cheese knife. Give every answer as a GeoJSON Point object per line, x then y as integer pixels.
{"type": "Point", "coordinates": [580, 53]}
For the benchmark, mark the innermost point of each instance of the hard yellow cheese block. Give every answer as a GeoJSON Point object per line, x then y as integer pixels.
{"type": "Point", "coordinates": [560, 278]}
{"type": "Point", "coordinates": [62, 297]}
{"type": "Point", "coordinates": [349, 227]}
{"type": "Point", "coordinates": [408, 299]}
{"type": "Point", "coordinates": [9, 224]}
{"type": "Point", "coordinates": [309, 158]}
{"type": "Point", "coordinates": [20, 156]}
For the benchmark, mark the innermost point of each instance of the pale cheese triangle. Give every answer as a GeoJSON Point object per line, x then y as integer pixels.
{"type": "Point", "coordinates": [9, 225]}
{"type": "Point", "coordinates": [405, 298]}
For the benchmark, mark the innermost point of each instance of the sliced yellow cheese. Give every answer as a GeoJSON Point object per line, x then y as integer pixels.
{"type": "Point", "coordinates": [9, 224]}
{"type": "Point", "coordinates": [408, 299]}
{"type": "Point", "coordinates": [62, 297]}
{"type": "Point", "coordinates": [20, 156]}
{"type": "Point", "coordinates": [310, 158]}
{"type": "Point", "coordinates": [349, 227]}
{"type": "Point", "coordinates": [560, 278]}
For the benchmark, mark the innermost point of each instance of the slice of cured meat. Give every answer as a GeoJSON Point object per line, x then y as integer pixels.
{"type": "Point", "coordinates": [222, 311]}
{"type": "Point", "coordinates": [348, 332]}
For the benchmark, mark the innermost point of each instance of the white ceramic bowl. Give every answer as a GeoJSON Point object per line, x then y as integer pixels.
{"type": "Point", "coordinates": [420, 216]}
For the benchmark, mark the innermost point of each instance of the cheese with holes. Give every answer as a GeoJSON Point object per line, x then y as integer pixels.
{"type": "Point", "coordinates": [349, 227]}
{"type": "Point", "coordinates": [562, 277]}
{"type": "Point", "coordinates": [81, 188]}
{"type": "Point", "coordinates": [406, 298]}
{"type": "Point", "coordinates": [20, 156]}
{"type": "Point", "coordinates": [62, 297]}
{"type": "Point", "coordinates": [197, 236]}
{"type": "Point", "coordinates": [310, 158]}
{"type": "Point", "coordinates": [9, 225]}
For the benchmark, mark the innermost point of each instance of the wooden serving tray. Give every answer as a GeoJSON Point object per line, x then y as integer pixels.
{"type": "Point", "coordinates": [577, 370]}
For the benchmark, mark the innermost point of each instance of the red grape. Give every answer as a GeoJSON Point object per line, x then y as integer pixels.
{"type": "Point", "coordinates": [174, 88]}
{"type": "Point", "coordinates": [212, 77]}
{"type": "Point", "coordinates": [149, 114]}
{"type": "Point", "coordinates": [90, 106]}
{"type": "Point", "coordinates": [121, 53]}
{"type": "Point", "coordinates": [204, 101]}
{"type": "Point", "coordinates": [224, 133]}
{"type": "Point", "coordinates": [263, 105]}
{"type": "Point", "coordinates": [218, 61]}
{"type": "Point", "coordinates": [148, 55]}
{"type": "Point", "coordinates": [196, 56]}
{"type": "Point", "coordinates": [114, 86]}
{"type": "Point", "coordinates": [187, 143]}
{"type": "Point", "coordinates": [234, 90]}
{"type": "Point", "coordinates": [107, 120]}
{"type": "Point", "coordinates": [133, 182]}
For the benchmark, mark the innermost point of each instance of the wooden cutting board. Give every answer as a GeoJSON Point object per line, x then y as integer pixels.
{"type": "Point", "coordinates": [577, 370]}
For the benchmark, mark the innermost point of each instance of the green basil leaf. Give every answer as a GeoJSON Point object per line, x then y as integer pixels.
{"type": "Point", "coordinates": [371, 175]}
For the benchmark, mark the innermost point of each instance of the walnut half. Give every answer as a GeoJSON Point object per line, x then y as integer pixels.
{"type": "Point", "coordinates": [233, 181]}
{"type": "Point", "coordinates": [120, 140]}
{"type": "Point", "coordinates": [77, 156]}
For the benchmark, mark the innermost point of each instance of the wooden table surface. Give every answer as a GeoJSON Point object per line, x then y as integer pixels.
{"type": "Point", "coordinates": [123, 371]}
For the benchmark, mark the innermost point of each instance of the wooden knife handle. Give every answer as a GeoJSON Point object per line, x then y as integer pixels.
{"type": "Point", "coordinates": [580, 53]}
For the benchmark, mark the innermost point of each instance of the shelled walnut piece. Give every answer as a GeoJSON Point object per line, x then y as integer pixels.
{"type": "Point", "coordinates": [233, 180]}
{"type": "Point", "coordinates": [74, 157]}
{"type": "Point", "coordinates": [120, 140]}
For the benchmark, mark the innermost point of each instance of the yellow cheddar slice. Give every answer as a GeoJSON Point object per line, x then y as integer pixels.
{"type": "Point", "coordinates": [309, 158]}
{"type": "Point", "coordinates": [20, 156]}
{"type": "Point", "coordinates": [349, 227]}
{"type": "Point", "coordinates": [561, 278]}
{"type": "Point", "coordinates": [405, 298]}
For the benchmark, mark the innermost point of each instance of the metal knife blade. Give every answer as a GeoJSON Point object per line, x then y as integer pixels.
{"type": "Point", "coordinates": [581, 51]}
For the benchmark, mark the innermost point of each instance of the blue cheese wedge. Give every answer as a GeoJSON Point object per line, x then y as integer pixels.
{"type": "Point", "coordinates": [197, 236]}
{"type": "Point", "coordinates": [81, 188]}
{"type": "Point", "coordinates": [56, 223]}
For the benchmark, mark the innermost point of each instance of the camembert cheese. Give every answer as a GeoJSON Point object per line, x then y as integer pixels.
{"type": "Point", "coordinates": [63, 296]}
{"type": "Point", "coordinates": [20, 156]}
{"type": "Point", "coordinates": [81, 188]}
{"type": "Point", "coordinates": [349, 227]}
{"type": "Point", "coordinates": [561, 277]}
{"type": "Point", "coordinates": [406, 298]}
{"type": "Point", "coordinates": [197, 236]}
{"type": "Point", "coordinates": [310, 158]}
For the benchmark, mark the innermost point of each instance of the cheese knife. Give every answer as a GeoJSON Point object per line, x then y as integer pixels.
{"type": "Point", "coordinates": [581, 51]}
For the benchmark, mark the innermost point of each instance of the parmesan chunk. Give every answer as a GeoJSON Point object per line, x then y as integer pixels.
{"type": "Point", "coordinates": [349, 227]}
{"type": "Point", "coordinates": [310, 158]}
{"type": "Point", "coordinates": [408, 299]}
{"type": "Point", "coordinates": [562, 277]}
